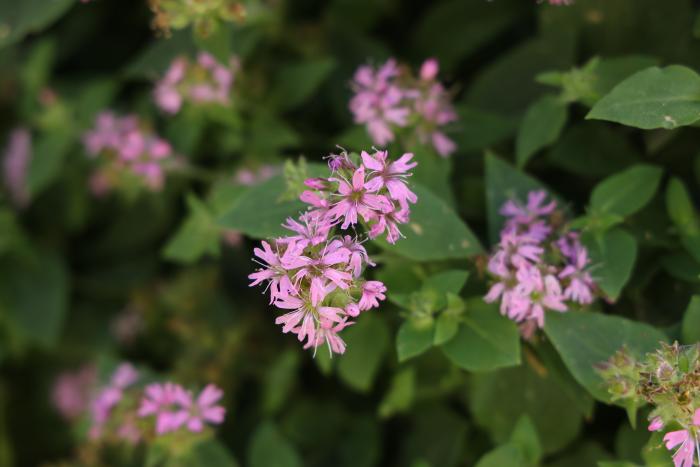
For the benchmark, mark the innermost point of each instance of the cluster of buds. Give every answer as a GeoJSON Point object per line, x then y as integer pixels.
{"type": "Point", "coordinates": [316, 273]}
{"type": "Point", "coordinates": [390, 99]}
{"type": "Point", "coordinates": [123, 410]}
{"type": "Point", "coordinates": [669, 380]}
{"type": "Point", "coordinates": [205, 81]}
{"type": "Point", "coordinates": [203, 15]}
{"type": "Point", "coordinates": [538, 265]}
{"type": "Point", "coordinates": [15, 164]}
{"type": "Point", "coordinates": [126, 151]}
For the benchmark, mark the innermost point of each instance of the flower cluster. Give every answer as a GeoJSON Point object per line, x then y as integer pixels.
{"type": "Point", "coordinates": [317, 274]}
{"type": "Point", "coordinates": [125, 149]}
{"type": "Point", "coordinates": [389, 99]}
{"type": "Point", "coordinates": [668, 380]}
{"type": "Point", "coordinates": [203, 15]}
{"type": "Point", "coordinates": [201, 82]}
{"type": "Point", "coordinates": [120, 408]}
{"type": "Point", "coordinates": [536, 265]}
{"type": "Point", "coordinates": [16, 161]}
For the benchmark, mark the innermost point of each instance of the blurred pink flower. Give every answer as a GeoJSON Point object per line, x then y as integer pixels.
{"type": "Point", "coordinates": [71, 391]}
{"type": "Point", "coordinates": [16, 160]}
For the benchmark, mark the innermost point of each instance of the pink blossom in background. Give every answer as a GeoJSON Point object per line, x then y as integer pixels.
{"type": "Point", "coordinates": [127, 324]}
{"type": "Point", "coordinates": [71, 391]}
{"type": "Point", "coordinates": [174, 407]}
{"type": "Point", "coordinates": [536, 268]}
{"type": "Point", "coordinates": [122, 147]}
{"type": "Point", "coordinates": [389, 100]}
{"type": "Point", "coordinates": [109, 396]}
{"type": "Point", "coordinates": [16, 160]}
{"type": "Point", "coordinates": [315, 275]}
{"type": "Point", "coordinates": [200, 82]}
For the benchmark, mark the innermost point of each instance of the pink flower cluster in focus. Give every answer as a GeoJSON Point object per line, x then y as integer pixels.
{"type": "Point", "coordinates": [201, 82]}
{"type": "Point", "coordinates": [16, 161]}
{"type": "Point", "coordinates": [686, 438]}
{"type": "Point", "coordinates": [315, 273]}
{"type": "Point", "coordinates": [174, 407]}
{"type": "Point", "coordinates": [125, 148]}
{"type": "Point", "coordinates": [535, 267]}
{"type": "Point", "coordinates": [389, 99]}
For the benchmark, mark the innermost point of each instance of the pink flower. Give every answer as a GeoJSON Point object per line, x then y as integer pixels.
{"type": "Point", "coordinates": [204, 409]}
{"type": "Point", "coordinates": [580, 281]}
{"type": "Point", "coordinates": [328, 334]}
{"type": "Point", "coordinates": [429, 69]}
{"type": "Point", "coordinates": [684, 455]}
{"type": "Point", "coordinates": [536, 293]}
{"type": "Point", "coordinates": [656, 424]}
{"type": "Point", "coordinates": [273, 271]}
{"type": "Point", "coordinates": [533, 210]}
{"type": "Point", "coordinates": [109, 397]}
{"type": "Point", "coordinates": [168, 403]}
{"type": "Point", "coordinates": [372, 292]}
{"type": "Point", "coordinates": [305, 317]}
{"type": "Point", "coordinates": [391, 175]}
{"type": "Point", "coordinates": [16, 161]}
{"type": "Point", "coordinates": [71, 390]}
{"type": "Point", "coordinates": [356, 199]}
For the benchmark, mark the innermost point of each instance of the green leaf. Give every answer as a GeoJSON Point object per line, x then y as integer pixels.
{"type": "Point", "coordinates": [258, 212]}
{"type": "Point", "coordinates": [500, 398]}
{"type": "Point", "coordinates": [434, 232]}
{"type": "Point", "coordinates": [681, 266]}
{"type": "Point", "coordinates": [446, 327]}
{"type": "Point", "coordinates": [367, 342]}
{"type": "Point", "coordinates": [295, 83]}
{"type": "Point", "coordinates": [34, 296]}
{"type": "Point", "coordinates": [212, 453]}
{"type": "Point", "coordinates": [485, 340]}
{"type": "Point", "coordinates": [268, 448]}
{"type": "Point", "coordinates": [279, 381]}
{"type": "Point", "coordinates": [197, 236]}
{"type": "Point", "coordinates": [584, 339]}
{"type": "Point", "coordinates": [507, 455]}
{"type": "Point", "coordinates": [400, 395]}
{"type": "Point", "coordinates": [156, 57]}
{"type": "Point", "coordinates": [503, 183]}
{"type": "Point", "coordinates": [691, 321]}
{"type": "Point", "coordinates": [682, 212]}
{"type": "Point", "coordinates": [541, 126]}
{"type": "Point", "coordinates": [414, 338]}
{"type": "Point", "coordinates": [479, 129]}
{"type": "Point", "coordinates": [218, 43]}
{"type": "Point", "coordinates": [18, 19]}
{"type": "Point", "coordinates": [653, 98]}
{"type": "Point", "coordinates": [614, 255]}
{"type": "Point", "coordinates": [625, 193]}
{"type": "Point", "coordinates": [47, 159]}
{"type": "Point", "coordinates": [526, 438]}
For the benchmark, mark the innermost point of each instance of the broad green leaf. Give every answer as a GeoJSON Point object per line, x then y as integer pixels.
{"type": "Point", "coordinates": [614, 255]}
{"type": "Point", "coordinates": [503, 183]}
{"type": "Point", "coordinates": [48, 155]}
{"type": "Point", "coordinates": [259, 213]}
{"type": "Point", "coordinates": [655, 453]}
{"type": "Point", "coordinates": [526, 438]}
{"type": "Point", "coordinates": [400, 395]}
{"type": "Point", "coordinates": [34, 296]}
{"type": "Point", "coordinates": [414, 338]}
{"type": "Point", "coordinates": [434, 232]}
{"type": "Point", "coordinates": [438, 437]}
{"type": "Point", "coordinates": [485, 340]}
{"type": "Point", "coordinates": [279, 381]}
{"type": "Point", "coordinates": [682, 212]}
{"type": "Point", "coordinates": [584, 339]}
{"type": "Point", "coordinates": [507, 455]}
{"type": "Point", "coordinates": [541, 126]}
{"type": "Point", "coordinates": [295, 83]}
{"type": "Point", "coordinates": [211, 453]}
{"type": "Point", "coordinates": [500, 398]}
{"type": "Point", "coordinates": [653, 98]}
{"type": "Point", "coordinates": [626, 192]}
{"type": "Point", "coordinates": [691, 321]}
{"type": "Point", "coordinates": [17, 19]}
{"type": "Point", "coordinates": [446, 327]}
{"type": "Point", "coordinates": [367, 342]}
{"type": "Point", "coordinates": [197, 236]}
{"type": "Point", "coordinates": [682, 266]}
{"type": "Point", "coordinates": [268, 448]}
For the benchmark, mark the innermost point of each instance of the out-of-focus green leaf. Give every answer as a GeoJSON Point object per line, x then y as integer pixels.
{"type": "Point", "coordinates": [434, 232]}
{"type": "Point", "coordinates": [197, 236]}
{"type": "Point", "coordinates": [479, 129]}
{"type": "Point", "coordinates": [691, 321]}
{"type": "Point", "coordinates": [17, 19]}
{"type": "Point", "coordinates": [279, 381]}
{"type": "Point", "coordinates": [614, 254]}
{"type": "Point", "coordinates": [485, 340]}
{"type": "Point", "coordinates": [414, 338]}
{"type": "Point", "coordinates": [295, 83]}
{"type": "Point", "coordinates": [653, 98]}
{"type": "Point", "coordinates": [541, 126]}
{"type": "Point", "coordinates": [682, 212]}
{"type": "Point", "coordinates": [400, 395]}
{"type": "Point", "coordinates": [584, 339]}
{"type": "Point", "coordinates": [367, 342]}
{"type": "Point", "coordinates": [507, 455]}
{"type": "Point", "coordinates": [47, 159]}
{"type": "Point", "coordinates": [268, 448]}
{"type": "Point", "coordinates": [211, 453]}
{"type": "Point", "coordinates": [156, 57]}
{"type": "Point", "coordinates": [34, 295]}
{"type": "Point", "coordinates": [627, 192]}
{"type": "Point", "coordinates": [682, 267]}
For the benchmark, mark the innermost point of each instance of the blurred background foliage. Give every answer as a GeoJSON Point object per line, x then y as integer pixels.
{"type": "Point", "coordinates": [524, 75]}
